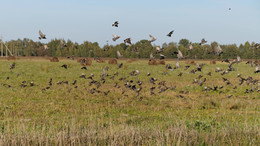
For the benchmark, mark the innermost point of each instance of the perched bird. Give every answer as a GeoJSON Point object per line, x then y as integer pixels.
{"type": "Point", "coordinates": [115, 37]}
{"type": "Point", "coordinates": [128, 41]}
{"type": "Point", "coordinates": [118, 54]}
{"type": "Point", "coordinates": [42, 36]}
{"type": "Point", "coordinates": [115, 24]}
{"type": "Point", "coordinates": [203, 41]}
{"type": "Point", "coordinates": [170, 33]}
{"type": "Point", "coordinates": [152, 38]}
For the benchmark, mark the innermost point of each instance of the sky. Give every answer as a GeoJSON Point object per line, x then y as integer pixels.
{"type": "Point", "coordinates": [91, 20]}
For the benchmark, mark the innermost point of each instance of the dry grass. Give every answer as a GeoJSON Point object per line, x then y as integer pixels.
{"type": "Point", "coordinates": [65, 115]}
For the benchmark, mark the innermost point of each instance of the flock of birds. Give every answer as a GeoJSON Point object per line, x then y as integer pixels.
{"type": "Point", "coordinates": [126, 83]}
{"type": "Point", "coordinates": [131, 82]}
{"type": "Point", "coordinates": [216, 51]}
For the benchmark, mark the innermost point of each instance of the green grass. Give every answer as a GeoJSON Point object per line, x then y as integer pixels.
{"type": "Point", "coordinates": [67, 115]}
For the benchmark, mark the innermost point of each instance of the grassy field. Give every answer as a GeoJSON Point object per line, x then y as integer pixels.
{"type": "Point", "coordinates": [69, 114]}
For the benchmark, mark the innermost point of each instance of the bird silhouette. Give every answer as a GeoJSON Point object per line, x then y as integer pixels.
{"type": "Point", "coordinates": [170, 33]}
{"type": "Point", "coordinates": [42, 36]}
{"type": "Point", "coordinates": [115, 24]}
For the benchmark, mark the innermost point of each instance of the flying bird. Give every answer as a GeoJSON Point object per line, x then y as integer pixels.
{"type": "Point", "coordinates": [151, 56]}
{"type": "Point", "coordinates": [218, 50]}
{"type": "Point", "coordinates": [203, 41]}
{"type": "Point", "coordinates": [179, 54]}
{"type": "Point", "coordinates": [257, 69]}
{"type": "Point", "coordinates": [115, 37]}
{"type": "Point", "coordinates": [158, 50]}
{"type": "Point", "coordinates": [152, 38]}
{"type": "Point", "coordinates": [12, 66]}
{"type": "Point", "coordinates": [170, 33]}
{"type": "Point", "coordinates": [128, 41]}
{"type": "Point", "coordinates": [42, 36]}
{"type": "Point", "coordinates": [190, 47]}
{"type": "Point", "coordinates": [62, 44]}
{"type": "Point", "coordinates": [118, 54]}
{"type": "Point", "coordinates": [162, 56]}
{"type": "Point", "coordinates": [115, 24]}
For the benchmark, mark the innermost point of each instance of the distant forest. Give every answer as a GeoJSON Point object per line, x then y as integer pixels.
{"type": "Point", "coordinates": [27, 47]}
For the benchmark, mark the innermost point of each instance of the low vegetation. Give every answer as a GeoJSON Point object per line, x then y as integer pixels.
{"type": "Point", "coordinates": [73, 113]}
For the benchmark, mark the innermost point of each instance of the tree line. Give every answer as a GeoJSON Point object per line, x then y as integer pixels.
{"type": "Point", "coordinates": [141, 49]}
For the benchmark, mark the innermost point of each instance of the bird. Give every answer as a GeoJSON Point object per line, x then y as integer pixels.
{"type": "Point", "coordinates": [12, 66]}
{"type": "Point", "coordinates": [238, 59]}
{"type": "Point", "coordinates": [42, 36]}
{"type": "Point", "coordinates": [170, 33]}
{"type": "Point", "coordinates": [135, 50]}
{"type": "Point", "coordinates": [120, 65]}
{"type": "Point", "coordinates": [84, 67]}
{"type": "Point", "coordinates": [115, 24]}
{"type": "Point", "coordinates": [159, 50]}
{"type": "Point", "coordinates": [162, 57]}
{"type": "Point", "coordinates": [151, 56]}
{"type": "Point", "coordinates": [152, 38]}
{"type": "Point", "coordinates": [229, 9]}
{"type": "Point", "coordinates": [169, 67]}
{"type": "Point", "coordinates": [190, 47]}
{"type": "Point", "coordinates": [179, 54]}
{"type": "Point", "coordinates": [62, 43]}
{"type": "Point", "coordinates": [65, 66]}
{"type": "Point", "coordinates": [203, 41]}
{"type": "Point", "coordinates": [128, 41]}
{"type": "Point", "coordinates": [218, 50]}
{"type": "Point", "coordinates": [118, 54]}
{"type": "Point", "coordinates": [199, 67]}
{"type": "Point", "coordinates": [257, 69]}
{"type": "Point", "coordinates": [115, 37]}
{"type": "Point", "coordinates": [177, 64]}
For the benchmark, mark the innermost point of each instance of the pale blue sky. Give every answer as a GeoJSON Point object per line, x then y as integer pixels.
{"type": "Point", "coordinates": [80, 20]}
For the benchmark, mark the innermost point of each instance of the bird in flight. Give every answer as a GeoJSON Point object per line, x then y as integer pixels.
{"type": "Point", "coordinates": [42, 36]}
{"type": "Point", "coordinates": [203, 41]}
{"type": "Point", "coordinates": [128, 41]}
{"type": "Point", "coordinates": [115, 37]}
{"type": "Point", "coordinates": [170, 33]}
{"type": "Point", "coordinates": [115, 24]}
{"type": "Point", "coordinates": [152, 38]}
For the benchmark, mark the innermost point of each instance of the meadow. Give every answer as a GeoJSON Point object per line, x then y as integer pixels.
{"type": "Point", "coordinates": [70, 114]}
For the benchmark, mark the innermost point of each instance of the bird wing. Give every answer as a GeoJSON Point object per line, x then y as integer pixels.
{"type": "Point", "coordinates": [41, 34]}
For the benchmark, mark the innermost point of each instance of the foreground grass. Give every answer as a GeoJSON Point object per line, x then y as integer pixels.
{"type": "Point", "coordinates": [64, 114]}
